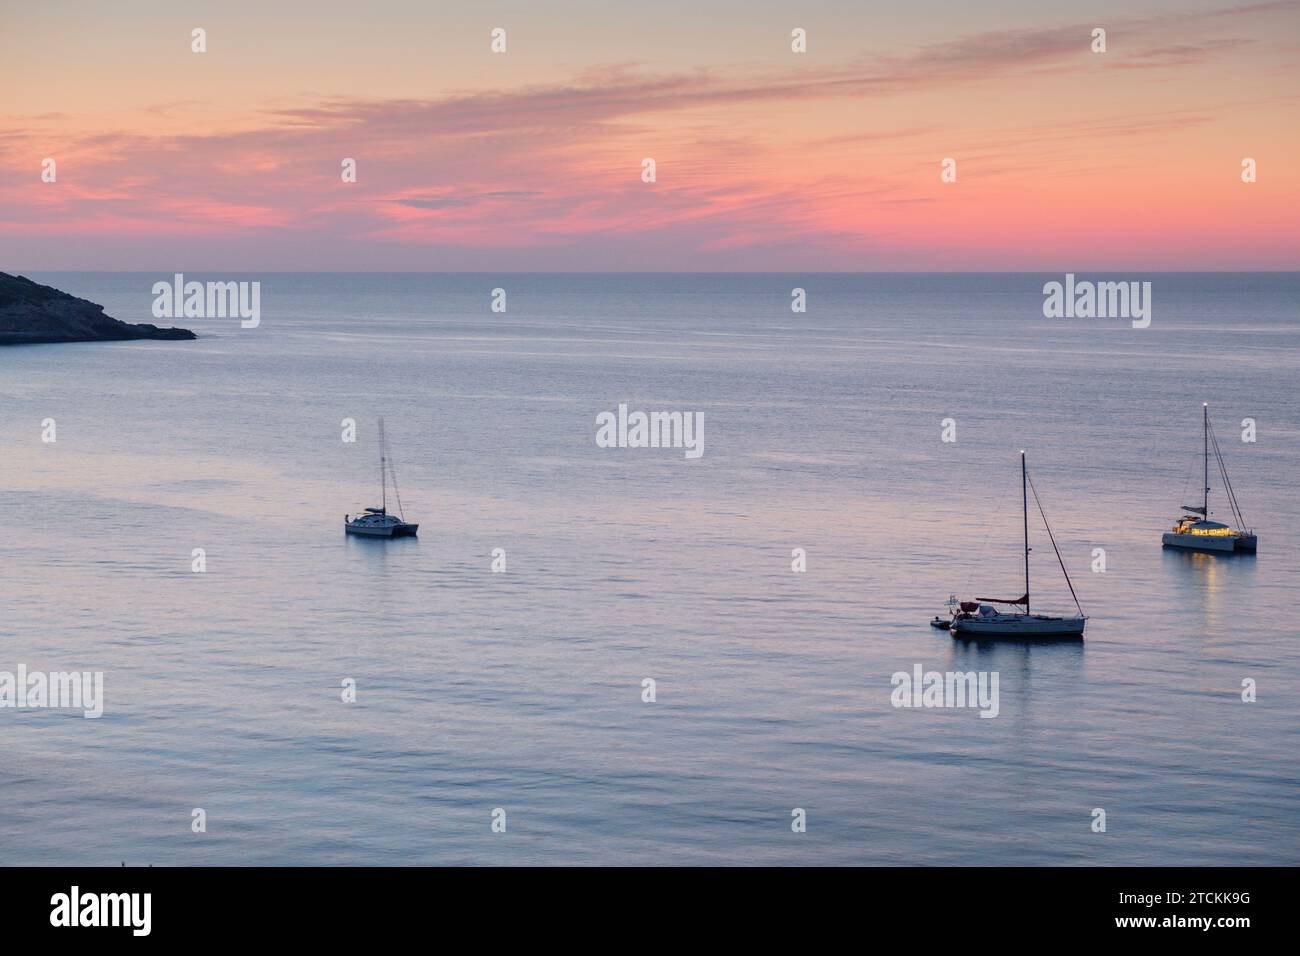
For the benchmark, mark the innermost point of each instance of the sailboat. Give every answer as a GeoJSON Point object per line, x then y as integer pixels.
{"type": "Point", "coordinates": [1194, 530]}
{"type": "Point", "coordinates": [979, 619]}
{"type": "Point", "coordinates": [377, 522]}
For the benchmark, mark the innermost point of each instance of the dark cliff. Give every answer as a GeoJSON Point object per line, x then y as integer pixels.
{"type": "Point", "coordinates": [31, 313]}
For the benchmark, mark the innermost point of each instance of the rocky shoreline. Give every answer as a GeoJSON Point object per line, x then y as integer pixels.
{"type": "Point", "coordinates": [32, 314]}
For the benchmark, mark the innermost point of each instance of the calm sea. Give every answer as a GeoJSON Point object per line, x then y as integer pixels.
{"type": "Point", "coordinates": [522, 690]}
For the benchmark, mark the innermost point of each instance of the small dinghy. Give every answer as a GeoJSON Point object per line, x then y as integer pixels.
{"type": "Point", "coordinates": [943, 623]}
{"type": "Point", "coordinates": [377, 522]}
{"type": "Point", "coordinates": [979, 619]}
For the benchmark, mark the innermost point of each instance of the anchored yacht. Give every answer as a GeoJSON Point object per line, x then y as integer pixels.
{"type": "Point", "coordinates": [377, 522]}
{"type": "Point", "coordinates": [1194, 530]}
{"type": "Point", "coordinates": [979, 618]}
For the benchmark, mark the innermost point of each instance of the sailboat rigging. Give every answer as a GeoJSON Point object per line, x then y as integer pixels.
{"type": "Point", "coordinates": [979, 618]}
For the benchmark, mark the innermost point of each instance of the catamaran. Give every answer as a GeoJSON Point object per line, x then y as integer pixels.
{"type": "Point", "coordinates": [377, 522]}
{"type": "Point", "coordinates": [1194, 530]}
{"type": "Point", "coordinates": [979, 618]}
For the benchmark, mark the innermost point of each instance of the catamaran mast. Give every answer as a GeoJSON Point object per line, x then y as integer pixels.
{"type": "Point", "coordinates": [1205, 438]}
{"type": "Point", "coordinates": [1024, 495]}
{"type": "Point", "coordinates": [383, 469]}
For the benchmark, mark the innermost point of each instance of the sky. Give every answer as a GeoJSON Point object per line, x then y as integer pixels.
{"type": "Point", "coordinates": [765, 159]}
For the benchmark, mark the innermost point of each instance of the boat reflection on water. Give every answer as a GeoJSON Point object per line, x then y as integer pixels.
{"type": "Point", "coordinates": [1036, 677]}
{"type": "Point", "coordinates": [1203, 579]}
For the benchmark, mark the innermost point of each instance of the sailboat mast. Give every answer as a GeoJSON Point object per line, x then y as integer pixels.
{"type": "Point", "coordinates": [1205, 439]}
{"type": "Point", "coordinates": [1024, 496]}
{"type": "Point", "coordinates": [383, 469]}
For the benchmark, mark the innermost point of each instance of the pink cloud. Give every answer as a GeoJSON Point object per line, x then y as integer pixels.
{"type": "Point", "coordinates": [558, 165]}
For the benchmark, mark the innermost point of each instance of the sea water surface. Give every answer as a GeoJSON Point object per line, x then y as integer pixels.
{"type": "Point", "coordinates": [522, 690]}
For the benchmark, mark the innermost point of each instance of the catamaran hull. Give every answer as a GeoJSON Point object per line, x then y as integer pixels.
{"type": "Point", "coordinates": [1210, 543]}
{"type": "Point", "coordinates": [1019, 627]}
{"type": "Point", "coordinates": [392, 531]}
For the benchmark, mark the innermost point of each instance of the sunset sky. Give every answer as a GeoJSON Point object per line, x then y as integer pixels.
{"type": "Point", "coordinates": [766, 159]}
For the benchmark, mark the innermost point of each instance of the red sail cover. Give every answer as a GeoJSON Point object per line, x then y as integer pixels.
{"type": "Point", "coordinates": [1019, 600]}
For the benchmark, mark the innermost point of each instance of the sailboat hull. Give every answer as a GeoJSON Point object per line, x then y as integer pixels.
{"type": "Point", "coordinates": [1225, 544]}
{"type": "Point", "coordinates": [1019, 626]}
{"type": "Point", "coordinates": [383, 531]}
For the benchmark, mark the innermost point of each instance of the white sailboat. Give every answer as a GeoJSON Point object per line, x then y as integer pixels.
{"type": "Point", "coordinates": [377, 522]}
{"type": "Point", "coordinates": [979, 618]}
{"type": "Point", "coordinates": [1194, 530]}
